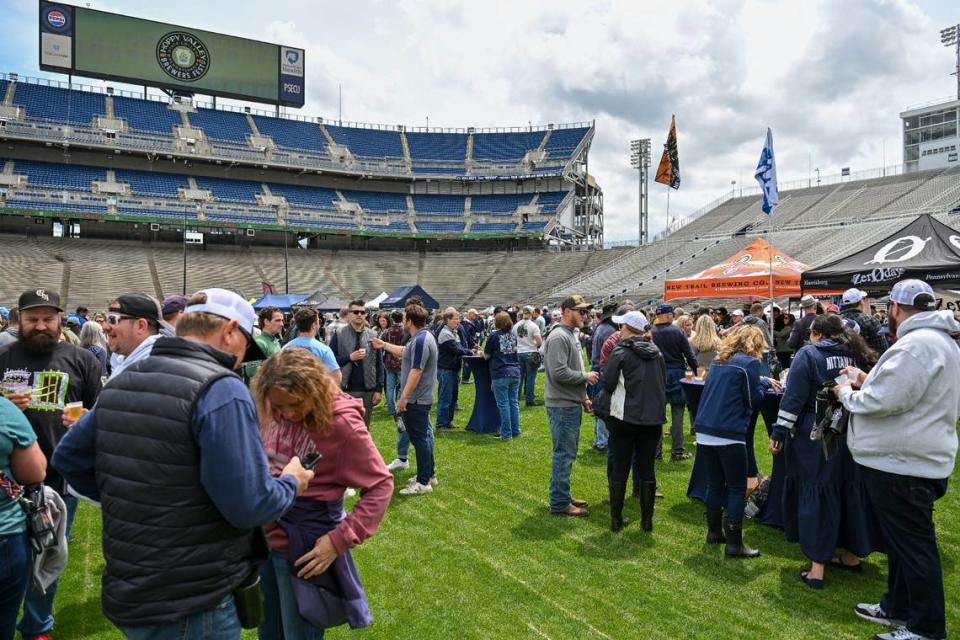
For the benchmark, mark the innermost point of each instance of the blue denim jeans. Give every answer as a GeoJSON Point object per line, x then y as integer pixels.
{"type": "Point", "coordinates": [601, 436]}
{"type": "Point", "coordinates": [447, 382]}
{"type": "Point", "coordinates": [505, 393]}
{"type": "Point", "coordinates": [420, 432]}
{"type": "Point", "coordinates": [726, 468]}
{"type": "Point", "coordinates": [565, 431]}
{"type": "Point", "coordinates": [14, 572]}
{"type": "Point", "coordinates": [281, 617]}
{"type": "Point", "coordinates": [392, 390]}
{"type": "Point", "coordinates": [528, 376]}
{"type": "Point", "coordinates": [38, 609]}
{"type": "Point", "coordinates": [219, 623]}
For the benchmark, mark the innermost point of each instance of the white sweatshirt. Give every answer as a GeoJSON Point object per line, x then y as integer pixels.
{"type": "Point", "coordinates": [904, 418]}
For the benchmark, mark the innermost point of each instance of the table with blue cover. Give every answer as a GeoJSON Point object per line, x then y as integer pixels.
{"type": "Point", "coordinates": [769, 408]}
{"type": "Point", "coordinates": [486, 416]}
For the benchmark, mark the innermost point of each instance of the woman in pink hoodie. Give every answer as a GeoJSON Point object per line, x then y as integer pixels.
{"type": "Point", "coordinates": [303, 412]}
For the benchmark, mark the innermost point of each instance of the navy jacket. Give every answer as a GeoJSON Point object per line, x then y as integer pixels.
{"type": "Point", "coordinates": [450, 350]}
{"type": "Point", "coordinates": [732, 393]}
{"type": "Point", "coordinates": [674, 345]}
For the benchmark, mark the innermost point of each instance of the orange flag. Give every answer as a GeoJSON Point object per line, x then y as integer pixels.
{"type": "Point", "coordinates": [668, 172]}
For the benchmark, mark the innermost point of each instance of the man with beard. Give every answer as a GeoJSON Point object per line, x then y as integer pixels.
{"type": "Point", "coordinates": [133, 325]}
{"type": "Point", "coordinates": [46, 375]}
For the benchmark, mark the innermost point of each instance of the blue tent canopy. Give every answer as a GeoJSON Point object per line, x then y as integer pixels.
{"type": "Point", "coordinates": [282, 301]}
{"type": "Point", "coordinates": [398, 298]}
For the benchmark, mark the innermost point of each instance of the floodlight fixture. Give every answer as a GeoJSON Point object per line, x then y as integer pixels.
{"type": "Point", "coordinates": [950, 37]}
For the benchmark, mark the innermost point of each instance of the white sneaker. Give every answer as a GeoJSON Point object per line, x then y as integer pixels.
{"type": "Point", "coordinates": [900, 634]}
{"type": "Point", "coordinates": [416, 489]}
{"type": "Point", "coordinates": [398, 465]}
{"type": "Point", "coordinates": [413, 479]}
{"type": "Point", "coordinates": [349, 493]}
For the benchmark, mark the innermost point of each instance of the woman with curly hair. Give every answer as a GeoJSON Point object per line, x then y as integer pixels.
{"type": "Point", "coordinates": [732, 391]}
{"type": "Point", "coordinates": [303, 412]}
{"type": "Point", "coordinates": [824, 501]}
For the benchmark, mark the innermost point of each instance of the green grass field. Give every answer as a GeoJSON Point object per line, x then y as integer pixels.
{"type": "Point", "coordinates": [481, 558]}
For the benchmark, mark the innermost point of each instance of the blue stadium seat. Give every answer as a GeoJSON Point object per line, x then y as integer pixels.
{"type": "Point", "coordinates": [231, 190]}
{"type": "Point", "coordinates": [68, 207]}
{"type": "Point", "coordinates": [440, 227]}
{"type": "Point", "coordinates": [395, 227]}
{"type": "Point", "coordinates": [437, 147]}
{"type": "Point", "coordinates": [438, 205]}
{"type": "Point", "coordinates": [501, 147]}
{"type": "Point", "coordinates": [322, 224]}
{"type": "Point", "coordinates": [146, 116]}
{"type": "Point", "coordinates": [376, 202]}
{"type": "Point", "coordinates": [144, 212]}
{"type": "Point", "coordinates": [492, 227]}
{"type": "Point", "coordinates": [59, 105]}
{"type": "Point", "coordinates": [551, 200]}
{"type": "Point", "coordinates": [563, 142]}
{"type": "Point", "coordinates": [147, 183]}
{"type": "Point", "coordinates": [301, 196]}
{"type": "Point", "coordinates": [534, 226]}
{"type": "Point", "coordinates": [500, 204]}
{"type": "Point", "coordinates": [368, 143]}
{"type": "Point", "coordinates": [49, 175]}
{"type": "Point", "coordinates": [225, 126]}
{"type": "Point", "coordinates": [292, 134]}
{"type": "Point", "coordinates": [432, 171]}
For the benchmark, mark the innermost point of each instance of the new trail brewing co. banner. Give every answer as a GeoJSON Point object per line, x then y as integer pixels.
{"type": "Point", "coordinates": [925, 249]}
{"type": "Point", "coordinates": [745, 275]}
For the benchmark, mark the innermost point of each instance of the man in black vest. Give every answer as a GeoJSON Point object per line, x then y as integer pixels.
{"type": "Point", "coordinates": [172, 451]}
{"type": "Point", "coordinates": [361, 367]}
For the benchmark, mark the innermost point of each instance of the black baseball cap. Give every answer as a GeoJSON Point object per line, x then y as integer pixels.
{"type": "Point", "coordinates": [137, 305]}
{"type": "Point", "coordinates": [35, 298]}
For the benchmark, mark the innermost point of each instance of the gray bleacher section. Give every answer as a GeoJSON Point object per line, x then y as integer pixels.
{"type": "Point", "coordinates": [85, 271]}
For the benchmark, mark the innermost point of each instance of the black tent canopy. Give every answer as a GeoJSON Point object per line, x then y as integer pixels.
{"type": "Point", "coordinates": [398, 298]}
{"type": "Point", "coordinates": [925, 249]}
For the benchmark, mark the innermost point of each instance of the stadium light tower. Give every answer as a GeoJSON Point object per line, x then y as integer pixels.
{"type": "Point", "coordinates": [950, 37]}
{"type": "Point", "coordinates": [640, 160]}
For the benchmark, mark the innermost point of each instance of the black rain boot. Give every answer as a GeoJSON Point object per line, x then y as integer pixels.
{"type": "Point", "coordinates": [715, 527]}
{"type": "Point", "coordinates": [618, 491]}
{"type": "Point", "coordinates": [733, 530]}
{"type": "Point", "coordinates": [648, 495]}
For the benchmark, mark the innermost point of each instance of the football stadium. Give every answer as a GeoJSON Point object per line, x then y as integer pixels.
{"type": "Point", "coordinates": [149, 164]}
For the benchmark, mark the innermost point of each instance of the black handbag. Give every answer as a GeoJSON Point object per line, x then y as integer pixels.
{"type": "Point", "coordinates": [41, 528]}
{"type": "Point", "coordinates": [832, 420]}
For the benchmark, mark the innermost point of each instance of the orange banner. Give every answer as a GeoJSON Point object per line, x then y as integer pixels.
{"type": "Point", "coordinates": [744, 275]}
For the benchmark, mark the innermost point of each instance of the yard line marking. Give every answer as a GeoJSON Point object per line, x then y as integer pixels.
{"type": "Point", "coordinates": [538, 632]}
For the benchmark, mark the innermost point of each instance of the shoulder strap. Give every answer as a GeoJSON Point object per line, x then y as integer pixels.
{"type": "Point", "coordinates": [10, 487]}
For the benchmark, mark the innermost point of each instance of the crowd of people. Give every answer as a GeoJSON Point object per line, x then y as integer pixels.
{"type": "Point", "coordinates": [219, 443]}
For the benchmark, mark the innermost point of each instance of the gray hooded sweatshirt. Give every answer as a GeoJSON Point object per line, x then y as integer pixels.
{"type": "Point", "coordinates": [904, 418]}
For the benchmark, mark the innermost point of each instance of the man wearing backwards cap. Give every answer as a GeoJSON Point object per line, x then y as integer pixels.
{"type": "Point", "coordinates": [133, 324]}
{"type": "Point", "coordinates": [678, 356]}
{"type": "Point", "coordinates": [173, 453]}
{"type": "Point", "coordinates": [57, 373]}
{"type": "Point", "coordinates": [856, 307]}
{"type": "Point", "coordinates": [565, 395]}
{"type": "Point", "coordinates": [903, 434]}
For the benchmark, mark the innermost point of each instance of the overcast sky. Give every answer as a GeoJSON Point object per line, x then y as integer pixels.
{"type": "Point", "coordinates": [829, 76]}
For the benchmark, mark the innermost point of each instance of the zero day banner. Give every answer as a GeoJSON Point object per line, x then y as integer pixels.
{"type": "Point", "coordinates": [925, 249]}
{"type": "Point", "coordinates": [746, 274]}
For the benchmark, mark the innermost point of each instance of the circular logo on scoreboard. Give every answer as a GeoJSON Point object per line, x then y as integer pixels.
{"type": "Point", "coordinates": [183, 56]}
{"type": "Point", "coordinates": [57, 18]}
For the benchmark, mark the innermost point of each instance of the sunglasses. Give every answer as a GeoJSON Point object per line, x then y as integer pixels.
{"type": "Point", "coordinates": [584, 312]}
{"type": "Point", "coordinates": [117, 318]}
{"type": "Point", "coordinates": [358, 313]}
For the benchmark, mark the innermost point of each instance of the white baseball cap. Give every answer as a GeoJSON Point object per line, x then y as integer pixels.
{"type": "Point", "coordinates": [853, 296]}
{"type": "Point", "coordinates": [633, 319]}
{"type": "Point", "coordinates": [914, 293]}
{"type": "Point", "coordinates": [226, 304]}
{"type": "Point", "coordinates": [737, 312]}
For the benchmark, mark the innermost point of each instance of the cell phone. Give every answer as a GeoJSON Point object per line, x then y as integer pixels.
{"type": "Point", "coordinates": [310, 460]}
